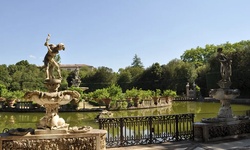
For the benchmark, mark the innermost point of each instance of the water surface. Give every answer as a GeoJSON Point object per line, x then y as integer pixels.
{"type": "Point", "coordinates": [200, 109]}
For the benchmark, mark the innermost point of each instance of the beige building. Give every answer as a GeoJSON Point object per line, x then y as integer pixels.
{"type": "Point", "coordinates": [72, 67]}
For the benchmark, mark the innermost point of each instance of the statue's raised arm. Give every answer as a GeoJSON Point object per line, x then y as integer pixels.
{"type": "Point", "coordinates": [47, 40]}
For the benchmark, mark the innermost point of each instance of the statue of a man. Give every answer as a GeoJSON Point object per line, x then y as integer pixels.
{"type": "Point", "coordinates": [76, 81]}
{"type": "Point", "coordinates": [225, 68]}
{"type": "Point", "coordinates": [49, 61]}
{"type": "Point", "coordinates": [76, 73]}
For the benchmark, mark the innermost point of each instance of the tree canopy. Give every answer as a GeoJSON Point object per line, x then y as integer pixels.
{"type": "Point", "coordinates": [197, 65]}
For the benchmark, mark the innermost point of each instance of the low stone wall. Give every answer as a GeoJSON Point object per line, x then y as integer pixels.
{"type": "Point", "coordinates": [233, 101]}
{"type": "Point", "coordinates": [92, 140]}
{"type": "Point", "coordinates": [219, 131]}
{"type": "Point", "coordinates": [240, 101]}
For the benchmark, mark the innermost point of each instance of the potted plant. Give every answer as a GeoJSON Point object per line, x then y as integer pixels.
{"type": "Point", "coordinates": [115, 92]}
{"type": "Point", "coordinates": [169, 95]}
{"type": "Point", "coordinates": [103, 96]}
{"type": "Point", "coordinates": [156, 95]}
{"type": "Point", "coordinates": [146, 98]}
{"type": "Point", "coordinates": [146, 94]}
{"type": "Point", "coordinates": [134, 95]}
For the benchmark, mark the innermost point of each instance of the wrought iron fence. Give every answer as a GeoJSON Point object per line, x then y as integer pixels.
{"type": "Point", "coordinates": [127, 131]}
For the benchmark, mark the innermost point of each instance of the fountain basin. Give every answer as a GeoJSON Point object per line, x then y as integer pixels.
{"type": "Point", "coordinates": [51, 101]}
{"type": "Point", "coordinates": [224, 94]}
{"type": "Point", "coordinates": [61, 98]}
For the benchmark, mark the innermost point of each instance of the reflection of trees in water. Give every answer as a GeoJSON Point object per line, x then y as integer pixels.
{"type": "Point", "coordinates": [80, 119]}
{"type": "Point", "coordinates": [187, 107]}
{"type": "Point", "coordinates": [17, 120]}
{"type": "Point", "coordinates": [29, 120]}
{"type": "Point", "coordinates": [144, 112]}
{"type": "Point", "coordinates": [163, 110]}
{"type": "Point", "coordinates": [11, 120]}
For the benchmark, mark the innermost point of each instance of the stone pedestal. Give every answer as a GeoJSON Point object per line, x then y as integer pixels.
{"type": "Point", "coordinates": [222, 130]}
{"type": "Point", "coordinates": [52, 84]}
{"type": "Point", "coordinates": [92, 140]}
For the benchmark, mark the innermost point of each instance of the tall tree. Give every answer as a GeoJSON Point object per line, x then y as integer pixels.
{"type": "Point", "coordinates": [150, 78]}
{"type": "Point", "coordinates": [25, 76]}
{"type": "Point", "coordinates": [124, 79]}
{"type": "Point", "coordinates": [137, 62]}
{"type": "Point", "coordinates": [199, 56]}
{"type": "Point", "coordinates": [136, 73]}
{"type": "Point", "coordinates": [102, 78]}
{"type": "Point", "coordinates": [176, 74]}
{"type": "Point", "coordinates": [5, 78]}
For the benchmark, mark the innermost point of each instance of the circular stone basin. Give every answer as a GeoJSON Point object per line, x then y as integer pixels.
{"type": "Point", "coordinates": [224, 94]}
{"type": "Point", "coordinates": [61, 98]}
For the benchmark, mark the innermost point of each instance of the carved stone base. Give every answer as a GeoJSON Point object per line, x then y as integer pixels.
{"type": "Point", "coordinates": [92, 140]}
{"type": "Point", "coordinates": [219, 131]}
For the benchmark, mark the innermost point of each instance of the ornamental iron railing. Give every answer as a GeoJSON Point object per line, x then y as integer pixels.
{"type": "Point", "coordinates": [126, 131]}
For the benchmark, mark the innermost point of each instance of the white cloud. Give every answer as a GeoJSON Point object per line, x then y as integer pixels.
{"type": "Point", "coordinates": [32, 56]}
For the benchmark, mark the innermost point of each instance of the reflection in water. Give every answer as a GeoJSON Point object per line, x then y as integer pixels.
{"type": "Point", "coordinates": [200, 109]}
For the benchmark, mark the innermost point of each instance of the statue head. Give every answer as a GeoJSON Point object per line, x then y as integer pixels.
{"type": "Point", "coordinates": [61, 46]}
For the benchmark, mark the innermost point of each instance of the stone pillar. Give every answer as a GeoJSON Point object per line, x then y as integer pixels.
{"type": "Point", "coordinates": [187, 89]}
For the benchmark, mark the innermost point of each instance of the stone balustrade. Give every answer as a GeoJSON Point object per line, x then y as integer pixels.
{"type": "Point", "coordinates": [92, 140]}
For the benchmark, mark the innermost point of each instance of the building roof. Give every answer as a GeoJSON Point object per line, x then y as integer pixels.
{"type": "Point", "coordinates": [73, 65]}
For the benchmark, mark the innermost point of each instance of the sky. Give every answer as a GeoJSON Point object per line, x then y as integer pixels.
{"type": "Point", "coordinates": [110, 33]}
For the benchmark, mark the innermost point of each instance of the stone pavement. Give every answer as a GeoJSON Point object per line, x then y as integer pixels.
{"type": "Point", "coordinates": [230, 144]}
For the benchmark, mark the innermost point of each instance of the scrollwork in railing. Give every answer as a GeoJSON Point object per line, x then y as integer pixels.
{"type": "Point", "coordinates": [126, 131]}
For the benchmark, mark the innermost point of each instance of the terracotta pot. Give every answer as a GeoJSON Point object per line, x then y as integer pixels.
{"type": "Point", "coordinates": [155, 98]}
{"type": "Point", "coordinates": [135, 100]}
{"type": "Point", "coordinates": [107, 102]}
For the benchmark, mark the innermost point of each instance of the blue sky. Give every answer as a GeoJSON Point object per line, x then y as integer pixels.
{"type": "Point", "coordinates": [110, 32]}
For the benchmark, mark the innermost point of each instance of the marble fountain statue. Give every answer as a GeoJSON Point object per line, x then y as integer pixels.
{"type": "Point", "coordinates": [225, 125]}
{"type": "Point", "coordinates": [224, 94]}
{"type": "Point", "coordinates": [52, 131]}
{"type": "Point", "coordinates": [52, 99]}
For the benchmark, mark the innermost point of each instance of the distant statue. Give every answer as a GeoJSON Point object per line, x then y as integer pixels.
{"type": "Point", "coordinates": [76, 81]}
{"type": "Point", "coordinates": [225, 68]}
{"type": "Point", "coordinates": [76, 73]}
{"type": "Point", "coordinates": [49, 61]}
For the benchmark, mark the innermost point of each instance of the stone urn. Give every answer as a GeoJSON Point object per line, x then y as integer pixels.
{"type": "Point", "coordinates": [107, 102]}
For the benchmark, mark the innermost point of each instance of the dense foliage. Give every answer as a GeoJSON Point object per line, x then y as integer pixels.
{"type": "Point", "coordinates": [197, 65]}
